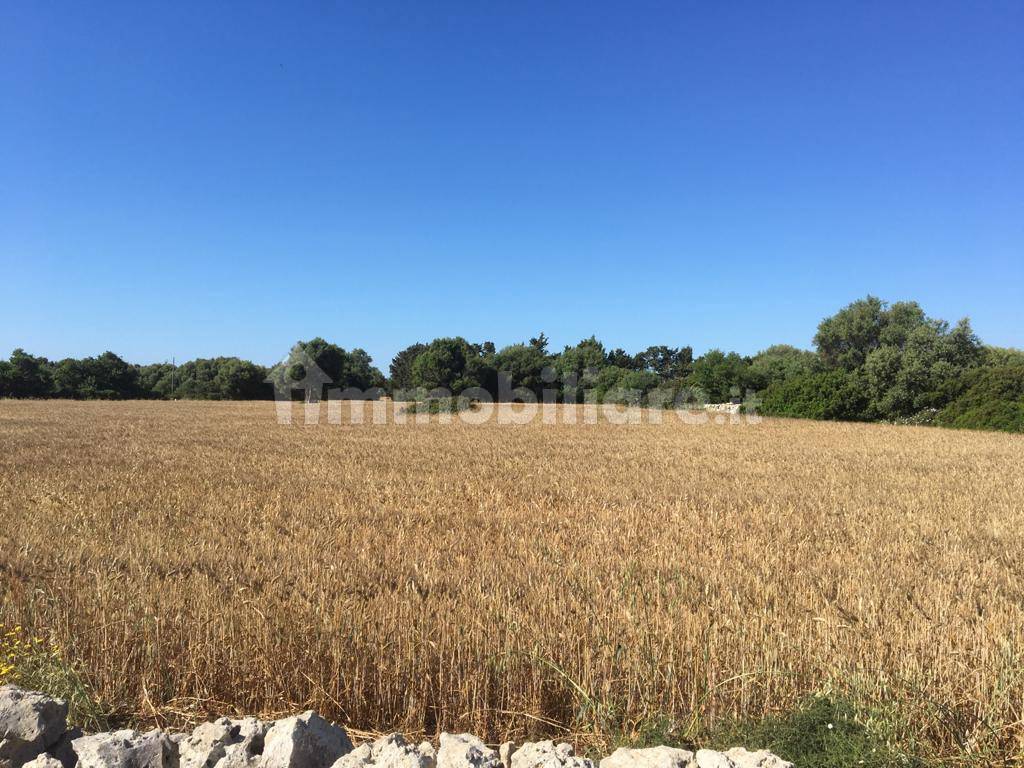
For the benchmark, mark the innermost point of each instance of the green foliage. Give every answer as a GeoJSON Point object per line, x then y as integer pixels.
{"type": "Point", "coordinates": [667, 363]}
{"type": "Point", "coordinates": [588, 355]}
{"type": "Point", "coordinates": [26, 376]}
{"type": "Point", "coordinates": [524, 365]}
{"type": "Point", "coordinates": [155, 380]}
{"type": "Point", "coordinates": [218, 378]}
{"type": "Point", "coordinates": [919, 369]}
{"type": "Point", "coordinates": [315, 365]}
{"type": "Point", "coordinates": [719, 376]}
{"type": "Point", "coordinates": [779, 363]}
{"type": "Point", "coordinates": [106, 377]}
{"type": "Point", "coordinates": [849, 336]}
{"type": "Point", "coordinates": [824, 732]}
{"type": "Point", "coordinates": [1002, 356]}
{"type": "Point", "coordinates": [401, 367]}
{"type": "Point", "coordinates": [874, 361]}
{"type": "Point", "coordinates": [906, 363]}
{"type": "Point", "coordinates": [993, 399]}
{"type": "Point", "coordinates": [35, 664]}
{"type": "Point", "coordinates": [451, 364]}
{"type": "Point", "coordinates": [436, 405]}
{"type": "Point", "coordinates": [834, 394]}
{"type": "Point", "coordinates": [624, 386]}
{"type": "Point", "coordinates": [345, 369]}
{"type": "Point", "coordinates": [620, 358]}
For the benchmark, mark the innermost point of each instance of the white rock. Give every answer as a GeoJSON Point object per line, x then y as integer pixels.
{"type": "Point", "coordinates": [547, 754]}
{"type": "Point", "coordinates": [231, 742]}
{"type": "Point", "coordinates": [709, 758]}
{"type": "Point", "coordinates": [427, 749]}
{"type": "Point", "coordinates": [44, 761]}
{"type": "Point", "coordinates": [505, 752]}
{"type": "Point", "coordinates": [30, 723]}
{"type": "Point", "coordinates": [651, 757]}
{"type": "Point", "coordinates": [391, 751]}
{"type": "Point", "coordinates": [760, 759]}
{"type": "Point", "coordinates": [248, 753]}
{"type": "Point", "coordinates": [304, 741]}
{"type": "Point", "coordinates": [463, 750]}
{"type": "Point", "coordinates": [126, 749]}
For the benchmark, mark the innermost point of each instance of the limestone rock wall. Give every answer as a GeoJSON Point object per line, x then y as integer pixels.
{"type": "Point", "coordinates": [34, 734]}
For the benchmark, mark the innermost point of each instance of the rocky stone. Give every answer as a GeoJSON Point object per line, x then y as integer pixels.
{"type": "Point", "coordinates": [391, 751]}
{"type": "Point", "coordinates": [709, 758]}
{"type": "Point", "coordinates": [30, 723]}
{"type": "Point", "coordinates": [223, 743]}
{"type": "Point", "coordinates": [44, 761]}
{"type": "Point", "coordinates": [547, 754]}
{"type": "Point", "coordinates": [463, 750]}
{"type": "Point", "coordinates": [63, 749]}
{"type": "Point", "coordinates": [126, 749]}
{"type": "Point", "coordinates": [34, 734]}
{"type": "Point", "coordinates": [761, 759]}
{"type": "Point", "coordinates": [650, 757]}
{"type": "Point", "coordinates": [304, 741]}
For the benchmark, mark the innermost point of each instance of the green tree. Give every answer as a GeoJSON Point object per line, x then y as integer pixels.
{"type": "Point", "coordinates": [6, 379]}
{"type": "Point", "coordinates": [578, 367]}
{"type": "Point", "coordinates": [524, 365]}
{"type": "Point", "coordinates": [26, 376]}
{"type": "Point", "coordinates": [620, 358]}
{"type": "Point", "coordinates": [1002, 356]}
{"type": "Point", "coordinates": [845, 339]}
{"type": "Point", "coordinates": [719, 376]}
{"type": "Point", "coordinates": [347, 370]}
{"type": "Point", "coordinates": [993, 399]}
{"type": "Point", "coordinates": [625, 386]}
{"type": "Point", "coordinates": [106, 377]}
{"type": "Point", "coordinates": [919, 368]}
{"type": "Point", "coordinates": [401, 367]}
{"type": "Point", "coordinates": [667, 362]}
{"type": "Point", "coordinates": [238, 379]}
{"type": "Point", "coordinates": [778, 363]}
{"type": "Point", "coordinates": [449, 363]}
{"type": "Point", "coordinates": [834, 394]}
{"type": "Point", "coordinates": [218, 378]}
{"type": "Point", "coordinates": [156, 380]}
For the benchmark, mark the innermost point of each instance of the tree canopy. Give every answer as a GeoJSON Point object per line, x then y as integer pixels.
{"type": "Point", "coordinates": [872, 361]}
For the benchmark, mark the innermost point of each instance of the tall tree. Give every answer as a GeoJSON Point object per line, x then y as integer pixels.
{"type": "Point", "coordinates": [449, 363]}
{"type": "Point", "coordinates": [719, 376]}
{"type": "Point", "coordinates": [26, 376]}
{"type": "Point", "coordinates": [523, 364]}
{"type": "Point", "coordinates": [401, 367]}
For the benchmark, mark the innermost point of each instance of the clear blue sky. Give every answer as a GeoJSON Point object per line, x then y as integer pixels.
{"type": "Point", "coordinates": [196, 179]}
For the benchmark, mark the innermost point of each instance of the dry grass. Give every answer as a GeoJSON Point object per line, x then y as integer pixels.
{"type": "Point", "coordinates": [506, 579]}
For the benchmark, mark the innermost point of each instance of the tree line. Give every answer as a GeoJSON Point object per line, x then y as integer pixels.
{"type": "Point", "coordinates": [872, 361]}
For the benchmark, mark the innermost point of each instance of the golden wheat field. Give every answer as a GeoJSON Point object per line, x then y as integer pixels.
{"type": "Point", "coordinates": [513, 579]}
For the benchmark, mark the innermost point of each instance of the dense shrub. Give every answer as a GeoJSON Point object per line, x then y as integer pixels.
{"type": "Point", "coordinates": [994, 399]}
{"type": "Point", "coordinates": [441, 405]}
{"type": "Point", "coordinates": [834, 394]}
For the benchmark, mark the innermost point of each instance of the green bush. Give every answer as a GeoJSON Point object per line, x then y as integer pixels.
{"type": "Point", "coordinates": [824, 732]}
{"type": "Point", "coordinates": [994, 399]}
{"type": "Point", "coordinates": [834, 394]}
{"type": "Point", "coordinates": [441, 405]}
